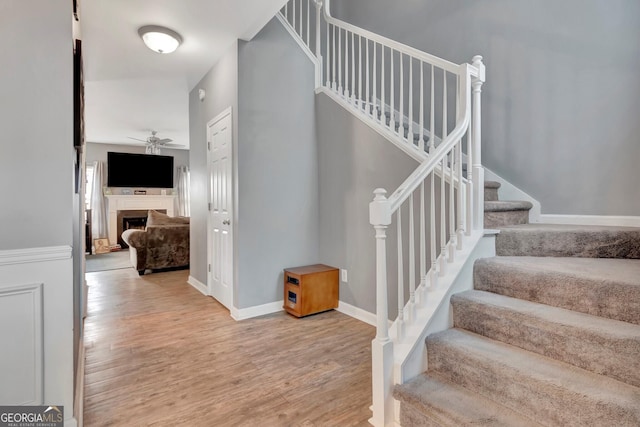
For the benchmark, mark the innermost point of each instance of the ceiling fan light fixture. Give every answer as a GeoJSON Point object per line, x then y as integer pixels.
{"type": "Point", "coordinates": [160, 39]}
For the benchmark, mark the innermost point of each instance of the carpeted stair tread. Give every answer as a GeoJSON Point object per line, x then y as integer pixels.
{"type": "Point", "coordinates": [604, 346]}
{"type": "Point", "coordinates": [507, 205]}
{"type": "Point", "coordinates": [429, 400]}
{"type": "Point", "coordinates": [601, 287]}
{"type": "Point", "coordinates": [569, 240]}
{"type": "Point", "coordinates": [551, 392]}
{"type": "Point", "coordinates": [491, 191]}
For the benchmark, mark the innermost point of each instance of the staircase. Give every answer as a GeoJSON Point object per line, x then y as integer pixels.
{"type": "Point", "coordinates": [550, 334]}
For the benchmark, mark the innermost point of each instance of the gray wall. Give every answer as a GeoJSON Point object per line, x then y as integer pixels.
{"type": "Point", "coordinates": [36, 125]}
{"type": "Point", "coordinates": [277, 164]}
{"type": "Point", "coordinates": [221, 85]}
{"type": "Point", "coordinates": [562, 96]}
{"type": "Point", "coordinates": [353, 161]}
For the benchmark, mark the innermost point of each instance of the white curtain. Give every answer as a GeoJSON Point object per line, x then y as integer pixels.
{"type": "Point", "coordinates": [98, 205]}
{"type": "Point", "coordinates": [183, 191]}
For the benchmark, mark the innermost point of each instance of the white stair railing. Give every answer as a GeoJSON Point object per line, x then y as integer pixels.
{"type": "Point", "coordinates": [430, 108]}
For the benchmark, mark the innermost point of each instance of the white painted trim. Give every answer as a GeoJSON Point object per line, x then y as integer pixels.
{"type": "Point", "coordinates": [198, 285]}
{"type": "Point", "coordinates": [37, 323]}
{"type": "Point", "coordinates": [357, 313]}
{"type": "Point", "coordinates": [255, 311]}
{"type": "Point", "coordinates": [78, 406]}
{"type": "Point", "coordinates": [607, 220]}
{"type": "Point", "coordinates": [508, 191]}
{"type": "Point", "coordinates": [22, 256]}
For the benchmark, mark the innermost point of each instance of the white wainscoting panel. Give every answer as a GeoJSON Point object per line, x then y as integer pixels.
{"type": "Point", "coordinates": [36, 327]}
{"type": "Point", "coordinates": [21, 336]}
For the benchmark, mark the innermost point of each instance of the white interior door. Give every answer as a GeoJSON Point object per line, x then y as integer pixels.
{"type": "Point", "coordinates": [220, 249]}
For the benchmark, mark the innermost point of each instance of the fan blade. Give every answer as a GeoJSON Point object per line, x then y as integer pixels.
{"type": "Point", "coordinates": [164, 141]}
{"type": "Point", "coordinates": [172, 145]}
{"type": "Point", "coordinates": [137, 139]}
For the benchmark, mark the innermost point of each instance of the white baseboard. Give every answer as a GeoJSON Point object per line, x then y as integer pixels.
{"type": "Point", "coordinates": [620, 221]}
{"type": "Point", "coordinates": [357, 313]}
{"type": "Point", "coordinates": [198, 285]}
{"type": "Point", "coordinates": [255, 311]}
{"type": "Point", "coordinates": [78, 409]}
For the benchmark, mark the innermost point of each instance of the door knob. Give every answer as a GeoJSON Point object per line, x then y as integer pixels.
{"type": "Point", "coordinates": [226, 222]}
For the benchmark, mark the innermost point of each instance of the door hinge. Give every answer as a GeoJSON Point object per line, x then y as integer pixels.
{"type": "Point", "coordinates": [209, 207]}
{"type": "Point", "coordinates": [209, 145]}
{"type": "Point", "coordinates": [209, 267]}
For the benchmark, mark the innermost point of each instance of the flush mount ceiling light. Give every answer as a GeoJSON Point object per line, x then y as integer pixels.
{"type": "Point", "coordinates": [160, 39]}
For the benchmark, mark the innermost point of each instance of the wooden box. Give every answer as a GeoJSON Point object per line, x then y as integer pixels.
{"type": "Point", "coordinates": [310, 289]}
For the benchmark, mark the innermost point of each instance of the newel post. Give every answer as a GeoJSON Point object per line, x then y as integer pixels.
{"type": "Point", "coordinates": [381, 346]}
{"type": "Point", "coordinates": [478, 170]}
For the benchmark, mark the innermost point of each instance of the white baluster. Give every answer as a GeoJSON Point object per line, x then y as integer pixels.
{"type": "Point", "coordinates": [308, 24]}
{"type": "Point", "coordinates": [445, 124]}
{"type": "Point", "coordinates": [293, 14]}
{"type": "Point", "coordinates": [400, 319]}
{"type": "Point", "coordinates": [423, 244]}
{"type": "Point", "coordinates": [443, 218]}
{"type": "Point", "coordinates": [452, 207]}
{"type": "Point", "coordinates": [360, 55]}
{"type": "Point", "coordinates": [286, 12]}
{"type": "Point", "coordinates": [333, 75]}
{"type": "Point", "coordinates": [401, 109]}
{"type": "Point", "coordinates": [374, 100]}
{"type": "Point", "coordinates": [353, 69]}
{"type": "Point", "coordinates": [432, 231]}
{"type": "Point", "coordinates": [368, 93]}
{"type": "Point", "coordinates": [346, 64]}
{"type": "Point", "coordinates": [382, 91]}
{"type": "Point", "coordinates": [412, 261]}
{"type": "Point", "coordinates": [410, 130]}
{"type": "Point", "coordinates": [461, 211]}
{"type": "Point", "coordinates": [421, 124]}
{"type": "Point", "coordinates": [318, 4]}
{"type": "Point", "coordinates": [300, 8]}
{"type": "Point", "coordinates": [328, 65]}
{"type": "Point", "coordinates": [340, 61]}
{"type": "Point", "coordinates": [469, 179]}
{"type": "Point", "coordinates": [432, 119]}
{"type": "Point", "coordinates": [392, 95]}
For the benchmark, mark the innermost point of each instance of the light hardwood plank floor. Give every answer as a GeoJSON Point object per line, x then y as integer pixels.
{"type": "Point", "coordinates": [160, 353]}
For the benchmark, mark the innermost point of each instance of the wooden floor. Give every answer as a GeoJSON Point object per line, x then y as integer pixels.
{"type": "Point", "coordinates": [160, 353]}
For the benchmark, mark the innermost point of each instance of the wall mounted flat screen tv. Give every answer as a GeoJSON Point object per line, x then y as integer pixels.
{"type": "Point", "coordinates": [139, 170]}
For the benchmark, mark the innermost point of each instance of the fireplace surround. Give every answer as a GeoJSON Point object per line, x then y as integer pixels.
{"type": "Point", "coordinates": [140, 203]}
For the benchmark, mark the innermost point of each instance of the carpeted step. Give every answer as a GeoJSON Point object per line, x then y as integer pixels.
{"type": "Point", "coordinates": [491, 191]}
{"type": "Point", "coordinates": [568, 241]}
{"type": "Point", "coordinates": [428, 400]}
{"type": "Point", "coordinates": [551, 392]}
{"type": "Point", "coordinates": [503, 213]}
{"type": "Point", "coordinates": [607, 288]}
{"type": "Point", "coordinates": [604, 346]}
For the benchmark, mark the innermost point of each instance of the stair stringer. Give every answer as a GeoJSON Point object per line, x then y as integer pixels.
{"type": "Point", "coordinates": [435, 313]}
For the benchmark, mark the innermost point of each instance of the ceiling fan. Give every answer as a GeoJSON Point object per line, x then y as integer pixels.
{"type": "Point", "coordinates": [153, 143]}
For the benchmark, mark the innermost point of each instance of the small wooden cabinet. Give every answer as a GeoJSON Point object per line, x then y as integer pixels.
{"type": "Point", "coordinates": [310, 289]}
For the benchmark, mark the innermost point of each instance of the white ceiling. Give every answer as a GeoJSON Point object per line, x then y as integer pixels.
{"type": "Point", "coordinates": [131, 90]}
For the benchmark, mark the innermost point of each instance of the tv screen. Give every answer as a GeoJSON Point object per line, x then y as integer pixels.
{"type": "Point", "coordinates": [139, 170]}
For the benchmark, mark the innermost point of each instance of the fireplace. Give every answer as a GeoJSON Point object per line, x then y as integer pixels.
{"type": "Point", "coordinates": [128, 219]}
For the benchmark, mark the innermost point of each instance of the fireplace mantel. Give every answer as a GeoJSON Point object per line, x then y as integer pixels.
{"type": "Point", "coordinates": [117, 203]}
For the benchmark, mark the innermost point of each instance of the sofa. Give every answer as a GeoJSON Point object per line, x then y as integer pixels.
{"type": "Point", "coordinates": [164, 243]}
